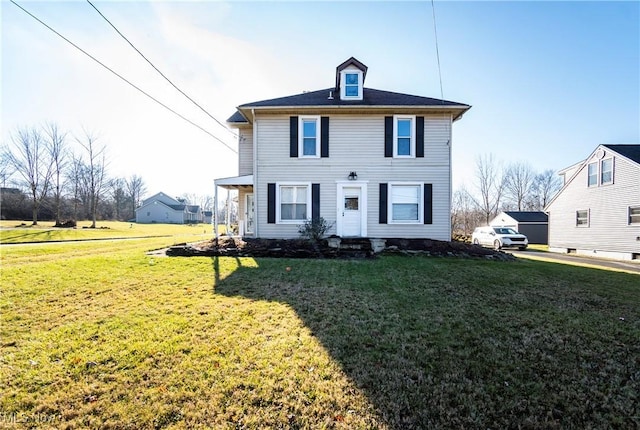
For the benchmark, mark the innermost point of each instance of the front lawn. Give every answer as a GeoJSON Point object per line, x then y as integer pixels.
{"type": "Point", "coordinates": [118, 339]}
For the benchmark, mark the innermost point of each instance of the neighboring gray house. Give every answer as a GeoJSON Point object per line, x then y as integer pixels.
{"type": "Point", "coordinates": [597, 211]}
{"type": "Point", "coordinates": [534, 224]}
{"type": "Point", "coordinates": [160, 208]}
{"type": "Point", "coordinates": [373, 163]}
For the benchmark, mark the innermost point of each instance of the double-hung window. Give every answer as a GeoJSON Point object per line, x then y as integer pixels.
{"type": "Point", "coordinates": [351, 85]}
{"type": "Point", "coordinates": [294, 203]}
{"type": "Point", "coordinates": [606, 171]}
{"type": "Point", "coordinates": [634, 214]}
{"type": "Point", "coordinates": [404, 136]}
{"type": "Point", "coordinates": [309, 136]}
{"type": "Point", "coordinates": [405, 203]}
{"type": "Point", "coordinates": [582, 218]}
{"type": "Point", "coordinates": [592, 174]}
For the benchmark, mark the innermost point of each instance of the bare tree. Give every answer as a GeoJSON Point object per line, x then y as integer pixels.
{"type": "Point", "coordinates": [30, 159]}
{"type": "Point", "coordinates": [464, 213]}
{"type": "Point", "coordinates": [135, 187]}
{"type": "Point", "coordinates": [57, 147]}
{"type": "Point", "coordinates": [75, 173]}
{"type": "Point", "coordinates": [490, 183]}
{"type": "Point", "coordinates": [6, 167]}
{"type": "Point", "coordinates": [546, 185]}
{"type": "Point", "coordinates": [118, 195]}
{"type": "Point", "coordinates": [95, 171]}
{"type": "Point", "coordinates": [519, 183]}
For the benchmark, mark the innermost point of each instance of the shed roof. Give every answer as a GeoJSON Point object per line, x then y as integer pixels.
{"type": "Point", "coordinates": [528, 216]}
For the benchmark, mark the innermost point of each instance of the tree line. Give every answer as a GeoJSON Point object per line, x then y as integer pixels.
{"type": "Point", "coordinates": [495, 188]}
{"type": "Point", "coordinates": [44, 177]}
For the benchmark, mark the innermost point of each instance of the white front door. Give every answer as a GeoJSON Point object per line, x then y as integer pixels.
{"type": "Point", "coordinates": [249, 215]}
{"type": "Point", "coordinates": [351, 211]}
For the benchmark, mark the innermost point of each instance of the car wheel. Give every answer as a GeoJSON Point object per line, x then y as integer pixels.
{"type": "Point", "coordinates": [497, 245]}
{"type": "Point", "coordinates": [475, 242]}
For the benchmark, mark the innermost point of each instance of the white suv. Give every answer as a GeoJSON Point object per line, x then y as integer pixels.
{"type": "Point", "coordinates": [499, 237]}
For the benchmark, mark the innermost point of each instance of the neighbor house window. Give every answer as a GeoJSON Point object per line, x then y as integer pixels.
{"type": "Point", "coordinates": [403, 136]}
{"type": "Point", "coordinates": [634, 214]}
{"type": "Point", "coordinates": [309, 136]}
{"type": "Point", "coordinates": [294, 202]}
{"type": "Point", "coordinates": [405, 203]}
{"type": "Point", "coordinates": [592, 174]}
{"type": "Point", "coordinates": [606, 171]}
{"type": "Point", "coordinates": [582, 218]}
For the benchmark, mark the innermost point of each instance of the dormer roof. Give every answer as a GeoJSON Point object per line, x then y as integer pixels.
{"type": "Point", "coordinates": [350, 62]}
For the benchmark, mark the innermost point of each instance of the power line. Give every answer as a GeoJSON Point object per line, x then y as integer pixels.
{"type": "Point", "coordinates": [435, 31]}
{"type": "Point", "coordinates": [123, 78]}
{"type": "Point", "coordinates": [157, 70]}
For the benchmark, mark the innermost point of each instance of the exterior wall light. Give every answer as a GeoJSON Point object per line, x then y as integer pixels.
{"type": "Point", "coordinates": [353, 176]}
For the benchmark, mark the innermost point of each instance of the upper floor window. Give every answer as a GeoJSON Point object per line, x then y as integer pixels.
{"type": "Point", "coordinates": [634, 214]}
{"type": "Point", "coordinates": [592, 174]}
{"type": "Point", "coordinates": [404, 136]}
{"type": "Point", "coordinates": [405, 203]}
{"type": "Point", "coordinates": [606, 171]}
{"type": "Point", "coordinates": [309, 137]}
{"type": "Point", "coordinates": [351, 84]}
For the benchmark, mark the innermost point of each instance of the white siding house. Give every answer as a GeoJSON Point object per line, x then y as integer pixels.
{"type": "Point", "coordinates": [372, 163]}
{"type": "Point", "coordinates": [597, 211]}
{"type": "Point", "coordinates": [160, 208]}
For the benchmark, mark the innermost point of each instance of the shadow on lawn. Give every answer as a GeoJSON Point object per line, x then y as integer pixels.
{"type": "Point", "coordinates": [432, 346]}
{"type": "Point", "coordinates": [381, 341]}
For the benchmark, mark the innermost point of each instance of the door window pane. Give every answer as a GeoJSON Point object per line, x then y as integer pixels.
{"type": "Point", "coordinates": [351, 203]}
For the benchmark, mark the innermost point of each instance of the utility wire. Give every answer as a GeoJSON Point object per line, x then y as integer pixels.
{"type": "Point", "coordinates": [123, 78]}
{"type": "Point", "coordinates": [435, 31]}
{"type": "Point", "coordinates": [157, 70]}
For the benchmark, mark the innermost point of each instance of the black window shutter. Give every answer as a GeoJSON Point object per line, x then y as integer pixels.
{"type": "Point", "coordinates": [293, 136]}
{"type": "Point", "coordinates": [388, 136]}
{"type": "Point", "coordinates": [420, 136]}
{"type": "Point", "coordinates": [383, 204]}
{"type": "Point", "coordinates": [428, 203]}
{"type": "Point", "coordinates": [315, 201]}
{"type": "Point", "coordinates": [271, 203]}
{"type": "Point", "coordinates": [324, 136]}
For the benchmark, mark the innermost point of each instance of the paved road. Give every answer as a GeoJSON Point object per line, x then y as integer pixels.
{"type": "Point", "coordinates": [626, 266]}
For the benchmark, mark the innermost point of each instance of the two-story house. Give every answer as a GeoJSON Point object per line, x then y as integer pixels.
{"type": "Point", "coordinates": [373, 163]}
{"type": "Point", "coordinates": [597, 211]}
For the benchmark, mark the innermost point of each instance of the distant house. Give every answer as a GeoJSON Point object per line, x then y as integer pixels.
{"type": "Point", "coordinates": [207, 217]}
{"type": "Point", "coordinates": [534, 225]}
{"type": "Point", "coordinates": [160, 208]}
{"type": "Point", "coordinates": [597, 211]}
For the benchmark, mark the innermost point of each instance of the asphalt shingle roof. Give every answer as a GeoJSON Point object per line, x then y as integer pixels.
{"type": "Point", "coordinates": [632, 152]}
{"type": "Point", "coordinates": [370, 97]}
{"type": "Point", "coordinates": [528, 216]}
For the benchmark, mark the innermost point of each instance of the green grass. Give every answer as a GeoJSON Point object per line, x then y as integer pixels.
{"type": "Point", "coordinates": [15, 232]}
{"type": "Point", "coordinates": [114, 338]}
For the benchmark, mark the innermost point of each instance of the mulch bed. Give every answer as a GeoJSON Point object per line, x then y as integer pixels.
{"type": "Point", "coordinates": [300, 248]}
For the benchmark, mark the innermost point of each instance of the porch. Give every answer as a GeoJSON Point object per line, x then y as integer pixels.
{"type": "Point", "coordinates": [246, 206]}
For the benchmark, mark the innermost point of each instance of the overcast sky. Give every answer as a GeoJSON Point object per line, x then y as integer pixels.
{"type": "Point", "coordinates": [548, 81]}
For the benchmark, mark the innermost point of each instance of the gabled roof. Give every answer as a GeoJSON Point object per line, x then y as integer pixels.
{"type": "Point", "coordinates": [632, 152]}
{"type": "Point", "coordinates": [629, 151]}
{"type": "Point", "coordinates": [528, 216]}
{"type": "Point", "coordinates": [350, 62]}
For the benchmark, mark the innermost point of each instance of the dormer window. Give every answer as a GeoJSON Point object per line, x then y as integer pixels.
{"type": "Point", "coordinates": [351, 88]}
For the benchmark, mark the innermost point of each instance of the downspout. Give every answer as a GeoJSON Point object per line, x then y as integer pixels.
{"type": "Point", "coordinates": [256, 204]}
{"type": "Point", "coordinates": [450, 144]}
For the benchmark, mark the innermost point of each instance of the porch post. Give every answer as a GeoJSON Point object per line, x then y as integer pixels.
{"type": "Point", "coordinates": [228, 214]}
{"type": "Point", "coordinates": [215, 210]}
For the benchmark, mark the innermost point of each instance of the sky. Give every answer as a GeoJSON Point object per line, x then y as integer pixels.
{"type": "Point", "coordinates": [547, 81]}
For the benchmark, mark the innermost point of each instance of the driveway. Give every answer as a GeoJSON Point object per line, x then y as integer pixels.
{"type": "Point", "coordinates": [601, 263]}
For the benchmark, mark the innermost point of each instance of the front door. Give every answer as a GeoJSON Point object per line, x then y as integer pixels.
{"type": "Point", "coordinates": [351, 211]}
{"type": "Point", "coordinates": [249, 215]}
